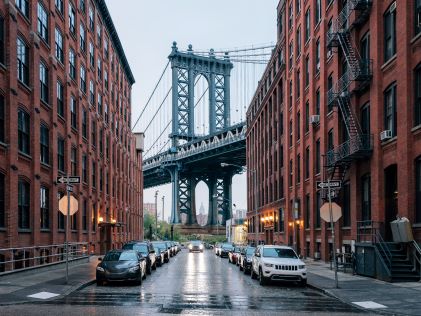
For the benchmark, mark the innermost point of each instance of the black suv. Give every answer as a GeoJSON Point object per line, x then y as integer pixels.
{"type": "Point", "coordinates": [147, 251]}
{"type": "Point", "coordinates": [163, 248]}
{"type": "Point", "coordinates": [245, 259]}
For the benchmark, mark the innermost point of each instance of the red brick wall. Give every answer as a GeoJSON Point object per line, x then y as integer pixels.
{"type": "Point", "coordinates": [125, 206]}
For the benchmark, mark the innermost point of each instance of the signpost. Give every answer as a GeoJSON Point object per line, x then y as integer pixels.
{"type": "Point", "coordinates": [72, 208]}
{"type": "Point", "coordinates": [331, 212]}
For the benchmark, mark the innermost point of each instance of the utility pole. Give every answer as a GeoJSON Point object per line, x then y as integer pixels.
{"type": "Point", "coordinates": [156, 213]}
{"type": "Point", "coordinates": [163, 208]}
{"type": "Point", "coordinates": [333, 233]}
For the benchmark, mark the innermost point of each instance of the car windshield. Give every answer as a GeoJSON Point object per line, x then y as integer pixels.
{"type": "Point", "coordinates": [227, 247]}
{"type": "Point", "coordinates": [196, 243]}
{"type": "Point", "coordinates": [137, 247]}
{"type": "Point", "coordinates": [279, 253]}
{"type": "Point", "coordinates": [250, 251]}
{"type": "Point", "coordinates": [121, 256]}
{"type": "Point", "coordinates": [161, 246]}
{"type": "Point", "coordinates": [237, 249]}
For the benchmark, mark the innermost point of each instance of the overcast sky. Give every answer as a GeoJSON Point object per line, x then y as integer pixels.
{"type": "Point", "coordinates": [147, 29]}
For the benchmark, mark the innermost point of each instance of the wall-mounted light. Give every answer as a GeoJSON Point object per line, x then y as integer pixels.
{"type": "Point", "coordinates": [100, 219]}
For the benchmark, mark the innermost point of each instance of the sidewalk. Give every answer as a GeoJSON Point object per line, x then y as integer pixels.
{"type": "Point", "coordinates": [371, 294]}
{"type": "Point", "coordinates": [16, 288]}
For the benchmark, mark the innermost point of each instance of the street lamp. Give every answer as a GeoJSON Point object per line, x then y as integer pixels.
{"type": "Point", "coordinates": [163, 201]}
{"type": "Point", "coordinates": [215, 196]}
{"type": "Point", "coordinates": [253, 171]}
{"type": "Point", "coordinates": [156, 213]}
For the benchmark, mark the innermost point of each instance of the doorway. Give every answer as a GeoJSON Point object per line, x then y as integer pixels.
{"type": "Point", "coordinates": [391, 198]}
{"type": "Point", "coordinates": [269, 237]}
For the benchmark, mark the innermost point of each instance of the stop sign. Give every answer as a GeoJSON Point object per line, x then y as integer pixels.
{"type": "Point", "coordinates": [336, 212]}
{"type": "Point", "coordinates": [62, 205]}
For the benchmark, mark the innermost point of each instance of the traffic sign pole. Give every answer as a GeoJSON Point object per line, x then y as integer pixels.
{"type": "Point", "coordinates": [67, 231]}
{"type": "Point", "coordinates": [332, 227]}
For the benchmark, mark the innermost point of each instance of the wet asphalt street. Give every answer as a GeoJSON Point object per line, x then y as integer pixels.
{"type": "Point", "coordinates": [192, 283]}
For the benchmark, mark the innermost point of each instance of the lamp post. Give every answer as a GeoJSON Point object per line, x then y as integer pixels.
{"type": "Point", "coordinates": [156, 213]}
{"type": "Point", "coordinates": [253, 171]}
{"type": "Point", "coordinates": [217, 217]}
{"type": "Point", "coordinates": [163, 203]}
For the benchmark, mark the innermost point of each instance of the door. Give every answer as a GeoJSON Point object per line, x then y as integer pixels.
{"type": "Point", "coordinates": [391, 199]}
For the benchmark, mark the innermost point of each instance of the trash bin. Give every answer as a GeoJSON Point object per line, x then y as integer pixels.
{"type": "Point", "coordinates": [394, 225]}
{"type": "Point", "coordinates": [405, 230]}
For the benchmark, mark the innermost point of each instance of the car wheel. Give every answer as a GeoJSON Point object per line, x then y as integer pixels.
{"type": "Point", "coordinates": [139, 281]}
{"type": "Point", "coordinates": [303, 282]}
{"type": "Point", "coordinates": [148, 270]}
{"type": "Point", "coordinates": [99, 282]}
{"type": "Point", "coordinates": [245, 270]}
{"type": "Point", "coordinates": [144, 276]}
{"type": "Point", "coordinates": [262, 279]}
{"type": "Point", "coordinates": [252, 274]}
{"type": "Point", "coordinates": [241, 268]}
{"type": "Point", "coordinates": [154, 266]}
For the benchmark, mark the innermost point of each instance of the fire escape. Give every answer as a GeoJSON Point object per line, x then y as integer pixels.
{"type": "Point", "coordinates": [354, 80]}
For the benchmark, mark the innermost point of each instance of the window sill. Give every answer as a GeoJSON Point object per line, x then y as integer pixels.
{"type": "Point", "coordinates": [3, 67]}
{"type": "Point", "coordinates": [45, 230]}
{"type": "Point", "coordinates": [25, 86]}
{"type": "Point", "coordinates": [24, 230]}
{"type": "Point", "coordinates": [45, 165]}
{"type": "Point", "coordinates": [61, 230]}
{"type": "Point", "coordinates": [416, 225]}
{"type": "Point", "coordinates": [415, 38]}
{"type": "Point", "coordinates": [3, 229]}
{"type": "Point", "coordinates": [329, 5]}
{"type": "Point", "coordinates": [390, 141]}
{"type": "Point", "coordinates": [346, 228]}
{"type": "Point", "coordinates": [61, 118]}
{"type": "Point", "coordinates": [390, 63]}
{"type": "Point", "coordinates": [330, 113]}
{"type": "Point", "coordinates": [416, 129]}
{"type": "Point", "coordinates": [45, 104]}
{"type": "Point", "coordinates": [24, 155]}
{"type": "Point", "coordinates": [4, 145]}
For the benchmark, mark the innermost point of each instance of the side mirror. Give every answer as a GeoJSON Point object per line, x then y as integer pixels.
{"type": "Point", "coordinates": [99, 258]}
{"type": "Point", "coordinates": [152, 251]}
{"type": "Point", "coordinates": [257, 254]}
{"type": "Point", "coordinates": [300, 257]}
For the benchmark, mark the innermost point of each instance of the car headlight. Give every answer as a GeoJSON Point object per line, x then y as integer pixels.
{"type": "Point", "coordinates": [134, 269]}
{"type": "Point", "coordinates": [201, 246]}
{"type": "Point", "coordinates": [100, 269]}
{"type": "Point", "coordinates": [248, 260]}
{"type": "Point", "coordinates": [301, 267]}
{"type": "Point", "coordinates": [190, 246]}
{"type": "Point", "coordinates": [269, 265]}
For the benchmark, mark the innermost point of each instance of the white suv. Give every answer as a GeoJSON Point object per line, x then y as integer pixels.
{"type": "Point", "coordinates": [277, 263]}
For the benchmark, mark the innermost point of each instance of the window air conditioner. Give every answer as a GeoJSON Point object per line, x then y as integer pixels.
{"type": "Point", "coordinates": [385, 135]}
{"type": "Point", "coordinates": [315, 119]}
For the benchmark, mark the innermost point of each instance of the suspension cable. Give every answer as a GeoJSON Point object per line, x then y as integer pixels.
{"type": "Point", "coordinates": [150, 97]}
{"type": "Point", "coordinates": [159, 108]}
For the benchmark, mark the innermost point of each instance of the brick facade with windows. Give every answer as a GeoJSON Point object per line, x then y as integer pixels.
{"type": "Point", "coordinates": [49, 128]}
{"type": "Point", "coordinates": [289, 147]}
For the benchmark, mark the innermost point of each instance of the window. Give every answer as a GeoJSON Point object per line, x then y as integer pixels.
{"type": "Point", "coordinates": [73, 161]}
{"type": "Point", "coordinates": [99, 34]}
{"type": "Point", "coordinates": [330, 144]}
{"type": "Point", "coordinates": [101, 179]}
{"type": "Point", "coordinates": [82, 35]}
{"type": "Point", "coordinates": [298, 84]}
{"type": "Point", "coordinates": [94, 215]}
{"type": "Point", "coordinates": [318, 56]}
{"type": "Point", "coordinates": [85, 215]}
{"type": "Point", "coordinates": [82, 79]}
{"type": "Point", "coordinates": [307, 163]}
{"type": "Point", "coordinates": [72, 19]}
{"type": "Point", "coordinates": [318, 13]}
{"type": "Point", "coordinates": [291, 15]}
{"type": "Point", "coordinates": [93, 174]}
{"type": "Point", "coordinates": [417, 189]}
{"type": "Point", "coordinates": [73, 222]}
{"type": "Point", "coordinates": [59, 6]}
{"type": "Point", "coordinates": [93, 132]}
{"type": "Point", "coordinates": [290, 133]}
{"type": "Point", "coordinates": [60, 101]}
{"type": "Point", "coordinates": [298, 39]}
{"type": "Point", "coordinates": [101, 141]}
{"type": "Point", "coordinates": [366, 198]}
{"type": "Point", "coordinates": [390, 115]}
{"type": "Point", "coordinates": [23, 7]}
{"type": "Point", "coordinates": [106, 48]}
{"type": "Point", "coordinates": [298, 168]}
{"type": "Point", "coordinates": [291, 173]}
{"type": "Point", "coordinates": [307, 26]}
{"type": "Point", "coordinates": [23, 61]}
{"type": "Point", "coordinates": [330, 32]}
{"type": "Point", "coordinates": [99, 104]}
{"type": "Point", "coordinates": [2, 42]}
{"type": "Point", "coordinates": [84, 168]}
{"type": "Point", "coordinates": [318, 205]}
{"type": "Point", "coordinates": [72, 64]}
{"type": "Point", "coordinates": [298, 126]}
{"type": "Point", "coordinates": [307, 116]}
{"type": "Point", "coordinates": [318, 156]}
{"type": "Point", "coordinates": [417, 16]}
{"type": "Point", "coordinates": [365, 119]}
{"type": "Point", "coordinates": [106, 79]}
{"type": "Point", "coordinates": [24, 132]}
{"type": "Point", "coordinates": [91, 54]}
{"type": "Point", "coordinates": [365, 47]}
{"type": "Point", "coordinates": [317, 110]}
{"type": "Point", "coordinates": [23, 204]}
{"type": "Point", "coordinates": [106, 113]}
{"type": "Point", "coordinates": [291, 54]}
{"type": "Point", "coordinates": [59, 45]}
{"type": "Point", "coordinates": [307, 215]}
{"type": "Point", "coordinates": [307, 69]}
{"type": "Point", "coordinates": [2, 119]}
{"type": "Point", "coordinates": [298, 6]}
{"type": "Point", "coordinates": [44, 144]}
{"type": "Point", "coordinates": [43, 78]}
{"type": "Point", "coordinates": [61, 218]}
{"type": "Point", "coordinates": [73, 112]}
{"type": "Point", "coordinates": [99, 69]}
{"type": "Point", "coordinates": [42, 22]}
{"type": "Point", "coordinates": [2, 201]}
{"type": "Point", "coordinates": [346, 205]}
{"type": "Point", "coordinates": [417, 90]}
{"type": "Point", "coordinates": [60, 154]}
{"type": "Point", "coordinates": [84, 123]}
{"type": "Point", "coordinates": [45, 208]}
{"type": "Point", "coordinates": [91, 93]}
{"type": "Point", "coordinates": [329, 88]}
{"type": "Point", "coordinates": [91, 18]}
{"type": "Point", "coordinates": [390, 32]}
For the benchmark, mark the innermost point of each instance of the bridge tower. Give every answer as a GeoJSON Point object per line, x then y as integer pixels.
{"type": "Point", "coordinates": [186, 66]}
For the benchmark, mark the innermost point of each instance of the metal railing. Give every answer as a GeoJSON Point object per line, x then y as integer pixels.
{"type": "Point", "coordinates": [386, 254]}
{"type": "Point", "coordinates": [354, 145]}
{"type": "Point", "coordinates": [22, 258]}
{"type": "Point", "coordinates": [416, 255]}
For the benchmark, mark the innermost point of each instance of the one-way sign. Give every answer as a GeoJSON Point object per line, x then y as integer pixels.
{"type": "Point", "coordinates": [68, 180]}
{"type": "Point", "coordinates": [334, 184]}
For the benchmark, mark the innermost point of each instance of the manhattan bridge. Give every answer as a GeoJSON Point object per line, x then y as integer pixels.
{"type": "Point", "coordinates": [195, 130]}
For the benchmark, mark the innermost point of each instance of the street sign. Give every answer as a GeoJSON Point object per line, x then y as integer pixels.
{"type": "Point", "coordinates": [68, 180]}
{"type": "Point", "coordinates": [336, 212]}
{"type": "Point", "coordinates": [74, 205]}
{"type": "Point", "coordinates": [334, 184]}
{"type": "Point", "coordinates": [69, 188]}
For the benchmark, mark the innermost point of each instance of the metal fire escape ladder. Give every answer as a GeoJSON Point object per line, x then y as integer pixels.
{"type": "Point", "coordinates": [339, 159]}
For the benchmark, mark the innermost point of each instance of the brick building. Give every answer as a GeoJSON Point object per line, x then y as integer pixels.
{"type": "Point", "coordinates": [340, 99]}
{"type": "Point", "coordinates": [65, 108]}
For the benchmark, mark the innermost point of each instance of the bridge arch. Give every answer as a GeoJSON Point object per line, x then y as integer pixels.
{"type": "Point", "coordinates": [202, 205]}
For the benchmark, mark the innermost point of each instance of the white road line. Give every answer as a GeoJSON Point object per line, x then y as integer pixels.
{"type": "Point", "coordinates": [43, 295]}
{"type": "Point", "coordinates": [369, 304]}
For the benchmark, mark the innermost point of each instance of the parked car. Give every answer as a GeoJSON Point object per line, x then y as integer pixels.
{"type": "Point", "coordinates": [174, 248]}
{"type": "Point", "coordinates": [196, 245]}
{"type": "Point", "coordinates": [178, 246]}
{"type": "Point", "coordinates": [234, 254]}
{"type": "Point", "coordinates": [217, 249]}
{"type": "Point", "coordinates": [163, 248]}
{"type": "Point", "coordinates": [170, 248]}
{"type": "Point", "coordinates": [121, 265]}
{"type": "Point", "coordinates": [160, 253]}
{"type": "Point", "coordinates": [147, 251]}
{"type": "Point", "coordinates": [225, 249]}
{"type": "Point", "coordinates": [245, 259]}
{"type": "Point", "coordinates": [277, 263]}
